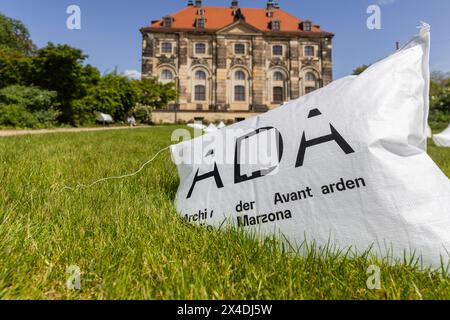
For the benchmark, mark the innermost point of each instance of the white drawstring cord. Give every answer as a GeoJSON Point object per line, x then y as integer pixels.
{"type": "Point", "coordinates": [82, 186]}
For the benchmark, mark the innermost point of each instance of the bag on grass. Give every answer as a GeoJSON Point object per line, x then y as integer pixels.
{"type": "Point", "coordinates": [429, 132]}
{"type": "Point", "coordinates": [443, 139]}
{"type": "Point", "coordinates": [346, 164]}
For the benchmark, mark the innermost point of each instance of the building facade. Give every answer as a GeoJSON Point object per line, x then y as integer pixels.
{"type": "Point", "coordinates": [231, 63]}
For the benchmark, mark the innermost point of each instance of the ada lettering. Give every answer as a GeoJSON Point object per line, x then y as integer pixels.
{"type": "Point", "coordinates": [334, 136]}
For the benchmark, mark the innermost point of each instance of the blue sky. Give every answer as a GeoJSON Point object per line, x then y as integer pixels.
{"type": "Point", "coordinates": [110, 29]}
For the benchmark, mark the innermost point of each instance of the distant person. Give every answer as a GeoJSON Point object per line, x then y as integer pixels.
{"type": "Point", "coordinates": [131, 121]}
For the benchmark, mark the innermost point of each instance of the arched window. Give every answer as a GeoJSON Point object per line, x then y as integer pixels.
{"type": "Point", "coordinates": [200, 93]}
{"type": "Point", "coordinates": [239, 93]}
{"type": "Point", "coordinates": [309, 51]}
{"type": "Point", "coordinates": [200, 75]}
{"type": "Point", "coordinates": [310, 76]}
{"type": "Point", "coordinates": [239, 75]}
{"type": "Point", "coordinates": [278, 94]}
{"type": "Point", "coordinates": [278, 76]}
{"type": "Point", "coordinates": [309, 89]}
{"type": "Point", "coordinates": [166, 75]}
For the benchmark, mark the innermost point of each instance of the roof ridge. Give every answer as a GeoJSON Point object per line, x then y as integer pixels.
{"type": "Point", "coordinates": [219, 17]}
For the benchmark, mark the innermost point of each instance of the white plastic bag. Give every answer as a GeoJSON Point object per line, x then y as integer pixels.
{"type": "Point", "coordinates": [443, 139]}
{"type": "Point", "coordinates": [429, 132]}
{"type": "Point", "coordinates": [350, 166]}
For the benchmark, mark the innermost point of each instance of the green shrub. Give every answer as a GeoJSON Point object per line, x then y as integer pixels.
{"type": "Point", "coordinates": [83, 114]}
{"type": "Point", "coordinates": [33, 98]}
{"type": "Point", "coordinates": [16, 116]}
{"type": "Point", "coordinates": [439, 117]}
{"type": "Point", "coordinates": [142, 113]}
{"type": "Point", "coordinates": [27, 107]}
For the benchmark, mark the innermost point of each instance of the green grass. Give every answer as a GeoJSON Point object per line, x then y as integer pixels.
{"type": "Point", "coordinates": [130, 243]}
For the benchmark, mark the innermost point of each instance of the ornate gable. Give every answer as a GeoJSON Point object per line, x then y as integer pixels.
{"type": "Point", "coordinates": [239, 27]}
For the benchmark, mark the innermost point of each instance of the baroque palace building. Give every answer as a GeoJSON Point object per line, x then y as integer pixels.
{"type": "Point", "coordinates": [232, 63]}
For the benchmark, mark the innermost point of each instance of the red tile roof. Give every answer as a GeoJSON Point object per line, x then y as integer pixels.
{"type": "Point", "coordinates": [220, 17]}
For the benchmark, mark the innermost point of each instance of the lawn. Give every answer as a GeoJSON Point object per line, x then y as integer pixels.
{"type": "Point", "coordinates": [129, 242]}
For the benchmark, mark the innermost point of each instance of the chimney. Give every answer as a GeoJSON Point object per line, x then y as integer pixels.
{"type": "Point", "coordinates": [198, 3]}
{"type": "Point", "coordinates": [234, 4]}
{"type": "Point", "coordinates": [270, 5]}
{"type": "Point", "coordinates": [190, 3]}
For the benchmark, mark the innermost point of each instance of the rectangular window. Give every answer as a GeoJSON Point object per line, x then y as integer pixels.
{"type": "Point", "coordinates": [307, 26]}
{"type": "Point", "coordinates": [309, 51]}
{"type": "Point", "coordinates": [277, 50]}
{"type": "Point", "coordinates": [200, 48]}
{"type": "Point", "coordinates": [309, 89]}
{"type": "Point", "coordinates": [277, 94]}
{"type": "Point", "coordinates": [200, 23]}
{"type": "Point", "coordinates": [276, 25]}
{"type": "Point", "coordinates": [200, 93]}
{"type": "Point", "coordinates": [166, 47]}
{"type": "Point", "coordinates": [239, 93]}
{"type": "Point", "coordinates": [239, 48]}
{"type": "Point", "coordinates": [167, 22]}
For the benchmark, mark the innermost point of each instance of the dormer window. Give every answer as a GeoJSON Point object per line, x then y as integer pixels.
{"type": "Point", "coordinates": [200, 23]}
{"type": "Point", "coordinates": [270, 14]}
{"type": "Point", "coordinates": [276, 25]}
{"type": "Point", "coordinates": [167, 22]}
{"type": "Point", "coordinates": [201, 12]}
{"type": "Point", "coordinates": [307, 26]}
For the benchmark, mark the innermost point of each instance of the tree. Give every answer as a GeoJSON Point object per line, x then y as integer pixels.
{"type": "Point", "coordinates": [155, 94]}
{"type": "Point", "coordinates": [60, 68]}
{"type": "Point", "coordinates": [114, 94]}
{"type": "Point", "coordinates": [14, 70]}
{"type": "Point", "coordinates": [440, 97]}
{"type": "Point", "coordinates": [14, 37]}
{"type": "Point", "coordinates": [360, 69]}
{"type": "Point", "coordinates": [439, 76]}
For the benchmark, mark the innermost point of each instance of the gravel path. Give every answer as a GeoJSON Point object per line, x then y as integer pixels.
{"type": "Point", "coordinates": [9, 133]}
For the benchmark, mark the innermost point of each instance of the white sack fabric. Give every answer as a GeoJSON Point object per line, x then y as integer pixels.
{"type": "Point", "coordinates": [197, 126]}
{"type": "Point", "coordinates": [211, 128]}
{"type": "Point", "coordinates": [429, 132]}
{"type": "Point", "coordinates": [443, 139]}
{"type": "Point", "coordinates": [347, 165]}
{"type": "Point", "coordinates": [221, 125]}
